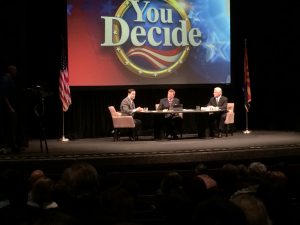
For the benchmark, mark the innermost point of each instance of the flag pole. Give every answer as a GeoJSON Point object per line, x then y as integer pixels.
{"type": "Point", "coordinates": [247, 91]}
{"type": "Point", "coordinates": [63, 138]}
{"type": "Point", "coordinates": [246, 131]}
{"type": "Point", "coordinates": [64, 89]}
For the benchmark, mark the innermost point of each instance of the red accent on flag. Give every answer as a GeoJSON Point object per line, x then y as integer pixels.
{"type": "Point", "coordinates": [64, 88]}
{"type": "Point", "coordinates": [247, 89]}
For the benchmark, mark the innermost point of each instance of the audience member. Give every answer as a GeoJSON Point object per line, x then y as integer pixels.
{"type": "Point", "coordinates": [201, 173]}
{"type": "Point", "coordinates": [118, 206]}
{"type": "Point", "coordinates": [201, 186]}
{"type": "Point", "coordinates": [42, 194]}
{"type": "Point", "coordinates": [275, 194]}
{"type": "Point", "coordinates": [218, 211]}
{"type": "Point", "coordinates": [254, 209]}
{"type": "Point", "coordinates": [54, 218]}
{"type": "Point", "coordinates": [257, 169]}
{"type": "Point", "coordinates": [81, 200]}
{"type": "Point", "coordinates": [13, 197]}
{"type": "Point", "coordinates": [228, 179]}
{"type": "Point", "coordinates": [78, 193]}
{"type": "Point", "coordinates": [34, 176]}
{"type": "Point", "coordinates": [172, 199]}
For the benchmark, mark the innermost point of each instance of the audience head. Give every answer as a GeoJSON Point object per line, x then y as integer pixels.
{"type": "Point", "coordinates": [217, 211]}
{"type": "Point", "coordinates": [201, 172]}
{"type": "Point", "coordinates": [172, 180]}
{"type": "Point", "coordinates": [257, 168]}
{"type": "Point", "coordinates": [228, 177]}
{"type": "Point", "coordinates": [253, 208]}
{"type": "Point", "coordinates": [201, 168]}
{"type": "Point", "coordinates": [42, 192]}
{"type": "Point", "coordinates": [13, 186]}
{"type": "Point", "coordinates": [80, 181]}
{"type": "Point", "coordinates": [257, 172]}
{"type": "Point", "coordinates": [229, 172]}
{"type": "Point", "coordinates": [34, 176]}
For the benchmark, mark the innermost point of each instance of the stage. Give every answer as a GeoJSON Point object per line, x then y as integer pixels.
{"type": "Point", "coordinates": [256, 146]}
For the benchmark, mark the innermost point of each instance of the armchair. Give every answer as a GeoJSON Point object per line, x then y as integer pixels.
{"type": "Point", "coordinates": [120, 122]}
{"type": "Point", "coordinates": [229, 120]}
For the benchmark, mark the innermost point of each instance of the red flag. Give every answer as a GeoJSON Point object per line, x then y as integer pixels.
{"type": "Point", "coordinates": [247, 90]}
{"type": "Point", "coordinates": [64, 88]}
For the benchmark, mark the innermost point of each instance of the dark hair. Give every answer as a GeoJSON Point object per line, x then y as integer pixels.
{"type": "Point", "coordinates": [130, 90]}
{"type": "Point", "coordinates": [80, 180]}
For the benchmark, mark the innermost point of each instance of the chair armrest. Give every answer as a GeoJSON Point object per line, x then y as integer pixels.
{"type": "Point", "coordinates": [118, 114]}
{"type": "Point", "coordinates": [229, 117]}
{"type": "Point", "coordinates": [123, 122]}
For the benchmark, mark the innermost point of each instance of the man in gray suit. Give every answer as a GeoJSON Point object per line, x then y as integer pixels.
{"type": "Point", "coordinates": [172, 121]}
{"type": "Point", "coordinates": [216, 120]}
{"type": "Point", "coordinates": [128, 108]}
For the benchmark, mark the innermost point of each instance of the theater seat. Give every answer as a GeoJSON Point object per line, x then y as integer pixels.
{"type": "Point", "coordinates": [120, 122]}
{"type": "Point", "coordinates": [229, 120]}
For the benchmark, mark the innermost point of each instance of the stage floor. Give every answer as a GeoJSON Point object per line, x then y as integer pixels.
{"type": "Point", "coordinates": [258, 145]}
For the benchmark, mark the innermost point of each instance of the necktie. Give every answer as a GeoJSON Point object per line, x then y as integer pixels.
{"type": "Point", "coordinates": [170, 104]}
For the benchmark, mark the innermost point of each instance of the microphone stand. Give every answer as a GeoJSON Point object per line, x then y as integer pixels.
{"type": "Point", "coordinates": [39, 111]}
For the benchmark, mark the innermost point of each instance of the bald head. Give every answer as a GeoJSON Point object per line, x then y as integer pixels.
{"type": "Point", "coordinates": [35, 175]}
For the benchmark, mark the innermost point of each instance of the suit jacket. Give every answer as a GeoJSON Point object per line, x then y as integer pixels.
{"type": "Point", "coordinates": [164, 103]}
{"type": "Point", "coordinates": [127, 107]}
{"type": "Point", "coordinates": [222, 104]}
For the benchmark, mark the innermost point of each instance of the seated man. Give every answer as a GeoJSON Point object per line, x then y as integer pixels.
{"type": "Point", "coordinates": [127, 108]}
{"type": "Point", "coordinates": [172, 121]}
{"type": "Point", "coordinates": [216, 119]}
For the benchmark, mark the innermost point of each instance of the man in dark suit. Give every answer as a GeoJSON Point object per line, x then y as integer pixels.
{"type": "Point", "coordinates": [128, 108]}
{"type": "Point", "coordinates": [216, 119]}
{"type": "Point", "coordinates": [172, 121]}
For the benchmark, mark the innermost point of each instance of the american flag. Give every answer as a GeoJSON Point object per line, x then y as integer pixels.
{"type": "Point", "coordinates": [64, 88]}
{"type": "Point", "coordinates": [247, 90]}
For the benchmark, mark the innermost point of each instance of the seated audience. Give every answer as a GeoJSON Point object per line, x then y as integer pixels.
{"type": "Point", "coordinates": [218, 211]}
{"type": "Point", "coordinates": [78, 193]}
{"type": "Point", "coordinates": [201, 172]}
{"type": "Point", "coordinates": [254, 209]}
